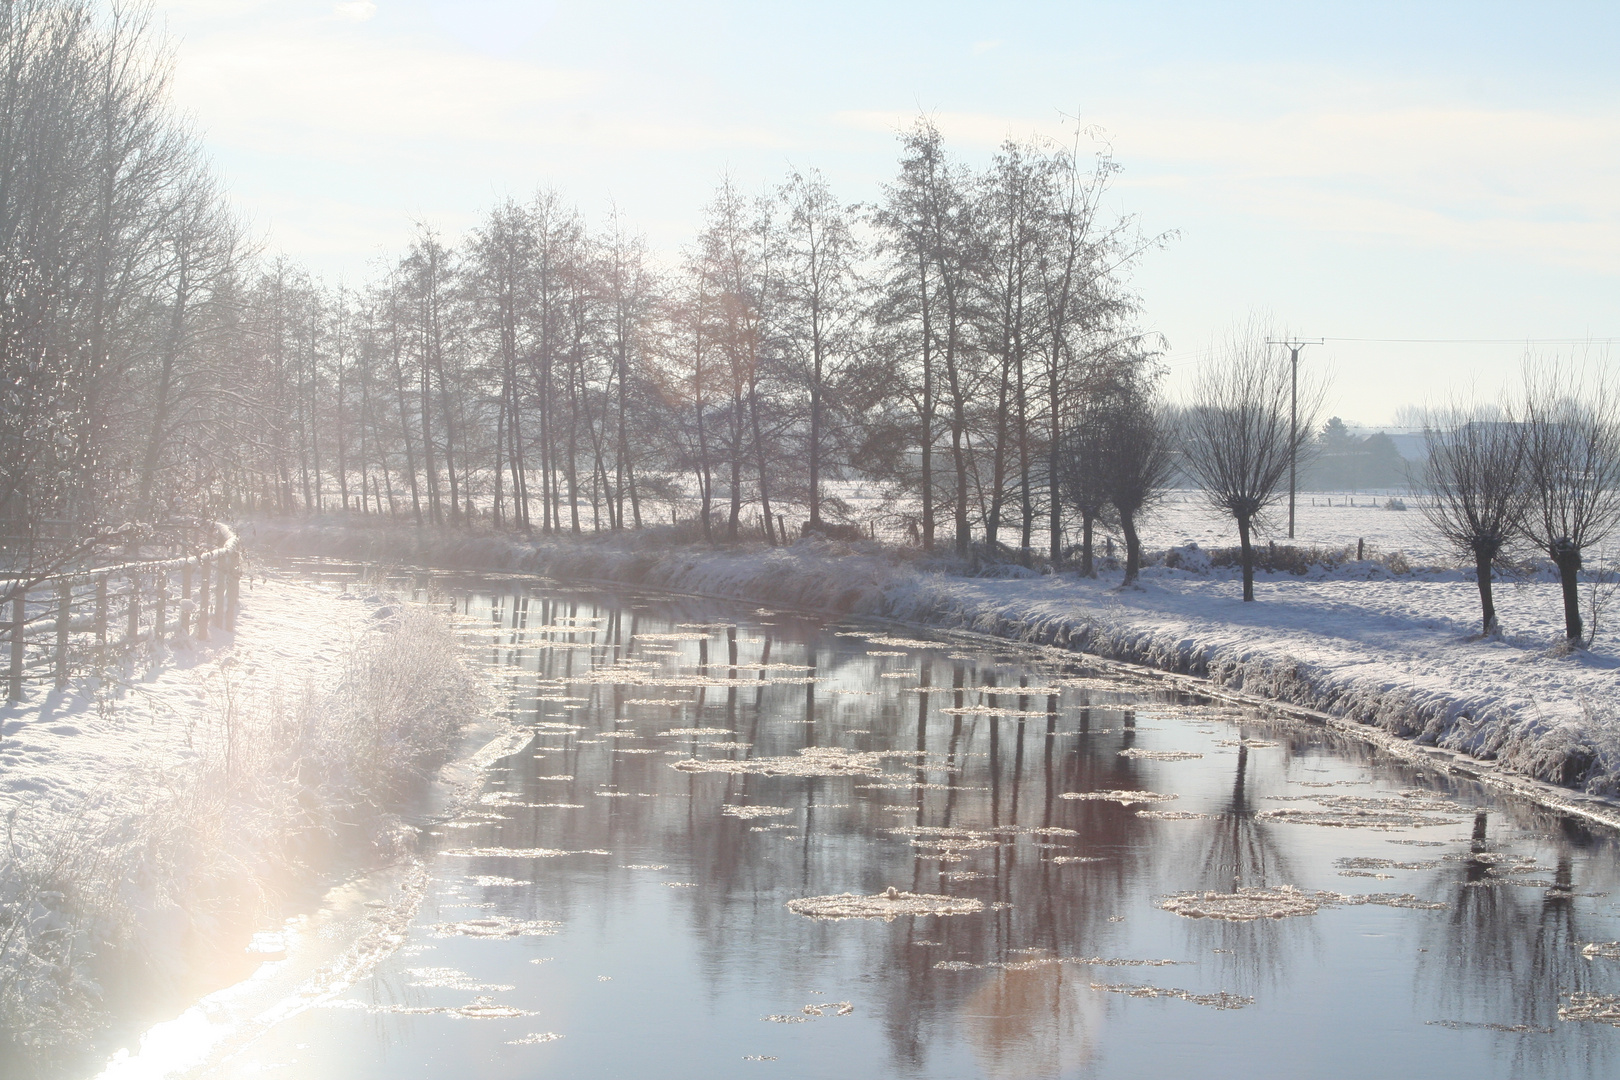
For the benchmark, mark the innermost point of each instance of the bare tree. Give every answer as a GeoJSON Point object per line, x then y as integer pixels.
{"type": "Point", "coordinates": [1137, 459]}
{"type": "Point", "coordinates": [816, 308]}
{"type": "Point", "coordinates": [1573, 456]}
{"type": "Point", "coordinates": [1476, 475]}
{"type": "Point", "coordinates": [1078, 466]}
{"type": "Point", "coordinates": [1237, 438]}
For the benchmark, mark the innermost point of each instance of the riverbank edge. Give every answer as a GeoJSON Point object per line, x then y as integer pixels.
{"type": "Point", "coordinates": [868, 581]}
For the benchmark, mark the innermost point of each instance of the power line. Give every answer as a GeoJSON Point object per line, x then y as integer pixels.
{"type": "Point", "coordinates": [1201, 355]}
{"type": "Point", "coordinates": [1481, 341]}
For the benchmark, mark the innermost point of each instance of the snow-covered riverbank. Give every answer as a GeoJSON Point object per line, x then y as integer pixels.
{"type": "Point", "coordinates": [166, 812]}
{"type": "Point", "coordinates": [1395, 651]}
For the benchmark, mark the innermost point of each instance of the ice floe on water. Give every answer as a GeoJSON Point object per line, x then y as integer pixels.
{"type": "Point", "coordinates": [1353, 818]}
{"type": "Point", "coordinates": [444, 978]}
{"type": "Point", "coordinates": [1244, 905]}
{"type": "Point", "coordinates": [1248, 904]}
{"type": "Point", "coordinates": [887, 905]}
{"type": "Point", "coordinates": [1218, 1000]}
{"type": "Point", "coordinates": [1160, 755]}
{"type": "Point", "coordinates": [482, 1007]}
{"type": "Point", "coordinates": [811, 761]}
{"type": "Point", "coordinates": [750, 812]}
{"type": "Point", "coordinates": [1599, 1008]}
{"type": "Point", "coordinates": [495, 926]}
{"type": "Point", "coordinates": [1126, 798]}
{"type": "Point", "coordinates": [1474, 1025]}
{"type": "Point", "coordinates": [1408, 810]}
{"type": "Point", "coordinates": [518, 853]}
{"type": "Point", "coordinates": [1364, 862]}
{"type": "Point", "coordinates": [813, 1011]}
{"type": "Point", "coordinates": [534, 1038]}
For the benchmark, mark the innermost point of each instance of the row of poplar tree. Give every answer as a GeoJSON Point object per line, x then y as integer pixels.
{"type": "Point", "coordinates": [542, 373]}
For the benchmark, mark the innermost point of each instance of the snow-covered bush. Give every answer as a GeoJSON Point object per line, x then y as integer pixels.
{"type": "Point", "coordinates": [1189, 557]}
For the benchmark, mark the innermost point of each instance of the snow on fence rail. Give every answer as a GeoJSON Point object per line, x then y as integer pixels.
{"type": "Point", "coordinates": [70, 618]}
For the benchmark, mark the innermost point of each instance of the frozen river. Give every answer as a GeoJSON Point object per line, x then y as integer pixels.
{"type": "Point", "coordinates": [648, 879]}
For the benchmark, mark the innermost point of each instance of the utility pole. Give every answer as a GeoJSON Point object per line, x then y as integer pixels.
{"type": "Point", "coordinates": [1293, 347]}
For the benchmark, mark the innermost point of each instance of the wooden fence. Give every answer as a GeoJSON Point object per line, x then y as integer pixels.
{"type": "Point", "coordinates": [83, 620]}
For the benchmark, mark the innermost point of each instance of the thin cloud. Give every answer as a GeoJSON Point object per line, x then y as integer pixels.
{"type": "Point", "coordinates": [355, 12]}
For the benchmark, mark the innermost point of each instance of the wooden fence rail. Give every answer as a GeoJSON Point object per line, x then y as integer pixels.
{"type": "Point", "coordinates": [85, 619]}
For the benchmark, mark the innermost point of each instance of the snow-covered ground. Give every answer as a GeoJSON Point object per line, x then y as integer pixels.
{"type": "Point", "coordinates": [171, 811]}
{"type": "Point", "coordinates": [61, 752]}
{"type": "Point", "coordinates": [1394, 650]}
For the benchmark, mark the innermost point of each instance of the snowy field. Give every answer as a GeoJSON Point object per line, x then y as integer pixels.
{"type": "Point", "coordinates": [1328, 519]}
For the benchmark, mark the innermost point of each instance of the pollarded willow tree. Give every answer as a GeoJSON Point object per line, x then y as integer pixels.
{"type": "Point", "coordinates": [1572, 454]}
{"type": "Point", "coordinates": [1238, 440]}
{"type": "Point", "coordinates": [1138, 457]}
{"type": "Point", "coordinates": [1480, 487]}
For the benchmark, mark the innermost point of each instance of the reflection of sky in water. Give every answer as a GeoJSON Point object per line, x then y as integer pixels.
{"type": "Point", "coordinates": [598, 912]}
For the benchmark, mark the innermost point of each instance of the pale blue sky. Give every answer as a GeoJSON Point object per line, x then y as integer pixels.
{"type": "Point", "coordinates": [1415, 170]}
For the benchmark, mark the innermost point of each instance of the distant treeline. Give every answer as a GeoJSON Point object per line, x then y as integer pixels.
{"type": "Point", "coordinates": [1346, 462]}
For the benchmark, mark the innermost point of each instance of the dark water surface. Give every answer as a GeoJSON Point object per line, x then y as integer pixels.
{"type": "Point", "coordinates": [612, 907]}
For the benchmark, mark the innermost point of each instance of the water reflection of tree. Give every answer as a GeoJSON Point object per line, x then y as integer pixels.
{"type": "Point", "coordinates": [1505, 954]}
{"type": "Point", "coordinates": [1010, 771]}
{"type": "Point", "coordinates": [1240, 851]}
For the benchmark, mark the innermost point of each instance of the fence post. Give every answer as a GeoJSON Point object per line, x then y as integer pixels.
{"type": "Point", "coordinates": [221, 615]}
{"type": "Point", "coordinates": [101, 618]}
{"type": "Point", "coordinates": [162, 614]}
{"type": "Point", "coordinates": [134, 611]}
{"type": "Point", "coordinates": [236, 591]}
{"type": "Point", "coordinates": [185, 594]}
{"type": "Point", "coordinates": [19, 608]}
{"type": "Point", "coordinates": [64, 624]}
{"type": "Point", "coordinates": [202, 603]}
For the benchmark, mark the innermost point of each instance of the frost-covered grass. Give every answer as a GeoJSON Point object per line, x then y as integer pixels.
{"type": "Point", "coordinates": [114, 884]}
{"type": "Point", "coordinates": [1384, 641]}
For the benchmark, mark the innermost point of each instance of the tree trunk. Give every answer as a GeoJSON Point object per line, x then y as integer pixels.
{"type": "Point", "coordinates": [1567, 557]}
{"type": "Point", "coordinates": [1133, 546]}
{"type": "Point", "coordinates": [927, 407]}
{"type": "Point", "coordinates": [500, 444]}
{"type": "Point", "coordinates": [1053, 500]}
{"type": "Point", "coordinates": [1248, 558]}
{"type": "Point", "coordinates": [998, 466]}
{"type": "Point", "coordinates": [405, 436]}
{"type": "Point", "coordinates": [760, 463]}
{"type": "Point", "coordinates": [1482, 572]}
{"type": "Point", "coordinates": [815, 421]}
